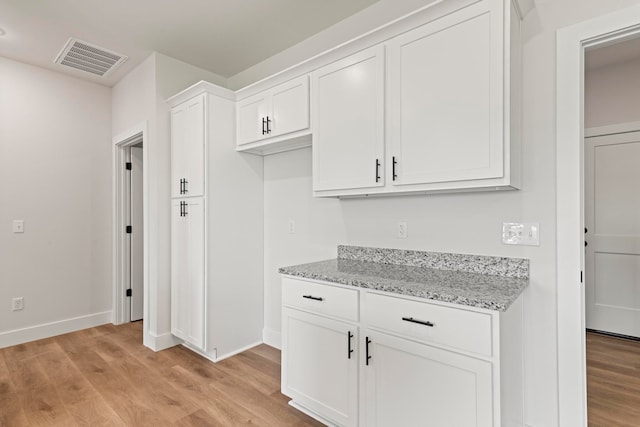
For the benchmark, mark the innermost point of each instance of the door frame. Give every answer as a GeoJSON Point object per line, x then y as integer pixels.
{"type": "Point", "coordinates": [571, 44]}
{"type": "Point", "coordinates": [121, 312]}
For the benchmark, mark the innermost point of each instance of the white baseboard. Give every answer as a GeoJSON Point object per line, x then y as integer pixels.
{"type": "Point", "coordinates": [160, 342]}
{"type": "Point", "coordinates": [272, 338]}
{"type": "Point", "coordinates": [47, 330]}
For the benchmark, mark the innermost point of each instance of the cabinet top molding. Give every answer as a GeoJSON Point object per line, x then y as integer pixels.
{"type": "Point", "coordinates": [199, 88]}
{"type": "Point", "coordinates": [434, 10]}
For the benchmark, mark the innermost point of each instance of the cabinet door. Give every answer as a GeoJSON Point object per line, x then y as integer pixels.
{"type": "Point", "coordinates": [179, 129]}
{"type": "Point", "coordinates": [194, 148]}
{"type": "Point", "coordinates": [290, 107]}
{"type": "Point", "coordinates": [187, 148]}
{"type": "Point", "coordinates": [196, 279]}
{"type": "Point", "coordinates": [187, 271]}
{"type": "Point", "coordinates": [409, 384]}
{"type": "Point", "coordinates": [446, 99]}
{"type": "Point", "coordinates": [251, 115]}
{"type": "Point", "coordinates": [348, 122]}
{"type": "Point", "coordinates": [318, 371]}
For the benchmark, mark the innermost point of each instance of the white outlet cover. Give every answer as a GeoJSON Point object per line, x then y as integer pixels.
{"type": "Point", "coordinates": [403, 232]}
{"type": "Point", "coordinates": [521, 233]}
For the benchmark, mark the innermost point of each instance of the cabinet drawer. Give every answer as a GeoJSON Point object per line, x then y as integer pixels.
{"type": "Point", "coordinates": [322, 299]}
{"type": "Point", "coordinates": [456, 328]}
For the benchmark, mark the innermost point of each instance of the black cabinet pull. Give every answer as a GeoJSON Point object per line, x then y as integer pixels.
{"type": "Point", "coordinates": [368, 356]}
{"type": "Point", "coordinates": [349, 349]}
{"type": "Point", "coordinates": [182, 186]}
{"type": "Point", "coordinates": [393, 168]}
{"type": "Point", "coordinates": [419, 322]}
{"type": "Point", "coordinates": [185, 186]}
{"type": "Point", "coordinates": [181, 208]}
{"type": "Point", "coordinates": [313, 298]}
{"type": "Point", "coordinates": [377, 170]}
{"type": "Point", "coordinates": [268, 125]}
{"type": "Point", "coordinates": [264, 123]}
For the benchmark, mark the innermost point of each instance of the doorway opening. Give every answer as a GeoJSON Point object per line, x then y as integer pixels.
{"type": "Point", "coordinates": [572, 44]}
{"type": "Point", "coordinates": [129, 228]}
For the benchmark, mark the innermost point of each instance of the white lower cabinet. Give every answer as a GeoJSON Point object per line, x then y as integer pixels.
{"type": "Point", "coordinates": [320, 367]}
{"type": "Point", "coordinates": [413, 362]}
{"type": "Point", "coordinates": [410, 384]}
{"type": "Point", "coordinates": [187, 270]}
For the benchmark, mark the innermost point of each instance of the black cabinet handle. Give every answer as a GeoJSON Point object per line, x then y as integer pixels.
{"type": "Point", "coordinates": [185, 209]}
{"type": "Point", "coordinates": [182, 186]}
{"type": "Point", "coordinates": [185, 186]}
{"type": "Point", "coordinates": [264, 123]}
{"type": "Point", "coordinates": [377, 170]}
{"type": "Point", "coordinates": [349, 349]}
{"type": "Point", "coordinates": [181, 208]}
{"type": "Point", "coordinates": [313, 298]}
{"type": "Point", "coordinates": [419, 322]}
{"type": "Point", "coordinates": [367, 355]}
{"type": "Point", "coordinates": [268, 125]}
{"type": "Point", "coordinates": [393, 168]}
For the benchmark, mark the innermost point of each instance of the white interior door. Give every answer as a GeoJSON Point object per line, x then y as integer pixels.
{"type": "Point", "coordinates": [137, 236]}
{"type": "Point", "coordinates": [612, 220]}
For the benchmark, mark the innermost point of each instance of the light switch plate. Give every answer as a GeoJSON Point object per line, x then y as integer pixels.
{"type": "Point", "coordinates": [18, 226]}
{"type": "Point", "coordinates": [521, 233]}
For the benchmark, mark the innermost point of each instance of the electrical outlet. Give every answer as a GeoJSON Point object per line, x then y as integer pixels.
{"type": "Point", "coordinates": [292, 226]}
{"type": "Point", "coordinates": [17, 303]}
{"type": "Point", "coordinates": [403, 232]}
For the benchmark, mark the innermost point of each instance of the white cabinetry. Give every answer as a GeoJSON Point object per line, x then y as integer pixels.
{"type": "Point", "coordinates": [348, 117]}
{"type": "Point", "coordinates": [452, 100]}
{"type": "Point", "coordinates": [411, 384]}
{"type": "Point", "coordinates": [320, 366]}
{"type": "Point", "coordinates": [187, 148]}
{"type": "Point", "coordinates": [276, 119]}
{"type": "Point", "coordinates": [216, 279]}
{"type": "Point", "coordinates": [420, 362]}
{"type": "Point", "coordinates": [187, 270]}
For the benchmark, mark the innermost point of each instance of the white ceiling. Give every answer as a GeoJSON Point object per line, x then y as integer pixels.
{"type": "Point", "coordinates": [222, 36]}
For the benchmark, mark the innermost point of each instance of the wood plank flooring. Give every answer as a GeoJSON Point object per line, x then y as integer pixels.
{"type": "Point", "coordinates": [613, 381]}
{"type": "Point", "coordinates": [104, 376]}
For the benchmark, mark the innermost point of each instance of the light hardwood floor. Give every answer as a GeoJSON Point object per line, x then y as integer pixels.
{"type": "Point", "coordinates": [104, 376]}
{"type": "Point", "coordinates": [613, 381]}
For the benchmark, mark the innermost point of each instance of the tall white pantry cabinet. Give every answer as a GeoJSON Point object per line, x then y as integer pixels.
{"type": "Point", "coordinates": [216, 227]}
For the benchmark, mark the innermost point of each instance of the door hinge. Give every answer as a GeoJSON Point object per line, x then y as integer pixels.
{"type": "Point", "coordinates": [129, 229]}
{"type": "Point", "coordinates": [129, 292]}
{"type": "Point", "coordinates": [128, 166]}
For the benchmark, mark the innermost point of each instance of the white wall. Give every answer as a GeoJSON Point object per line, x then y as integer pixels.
{"type": "Point", "coordinates": [467, 223]}
{"type": "Point", "coordinates": [55, 174]}
{"type": "Point", "coordinates": [612, 94]}
{"type": "Point", "coordinates": [140, 96]}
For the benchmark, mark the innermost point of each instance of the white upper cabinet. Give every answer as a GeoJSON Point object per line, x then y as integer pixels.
{"type": "Point", "coordinates": [348, 117]}
{"type": "Point", "coordinates": [451, 95]}
{"type": "Point", "coordinates": [269, 120]}
{"type": "Point", "coordinates": [187, 148]}
{"type": "Point", "coordinates": [446, 94]}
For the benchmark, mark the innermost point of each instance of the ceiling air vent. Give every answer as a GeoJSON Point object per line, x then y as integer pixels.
{"type": "Point", "coordinates": [87, 57]}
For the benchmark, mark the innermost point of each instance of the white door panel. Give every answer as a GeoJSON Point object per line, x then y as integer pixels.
{"type": "Point", "coordinates": [612, 218]}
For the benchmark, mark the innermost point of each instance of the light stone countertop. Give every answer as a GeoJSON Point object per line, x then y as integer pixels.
{"type": "Point", "coordinates": [454, 278]}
